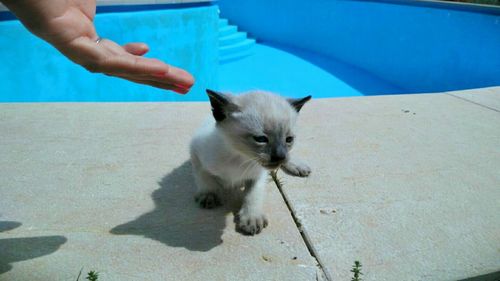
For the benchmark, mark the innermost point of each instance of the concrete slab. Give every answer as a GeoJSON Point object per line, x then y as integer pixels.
{"type": "Point", "coordinates": [408, 185]}
{"type": "Point", "coordinates": [487, 97]}
{"type": "Point", "coordinates": [108, 187]}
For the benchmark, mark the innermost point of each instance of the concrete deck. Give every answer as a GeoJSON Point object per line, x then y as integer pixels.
{"type": "Point", "coordinates": [409, 185]}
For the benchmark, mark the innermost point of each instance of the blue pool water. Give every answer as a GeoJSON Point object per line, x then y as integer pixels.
{"type": "Point", "coordinates": [327, 48]}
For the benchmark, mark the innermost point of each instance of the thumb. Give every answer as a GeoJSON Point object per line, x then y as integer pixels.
{"type": "Point", "coordinates": [137, 49]}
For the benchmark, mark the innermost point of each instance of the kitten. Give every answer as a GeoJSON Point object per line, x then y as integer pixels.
{"type": "Point", "coordinates": [251, 135]}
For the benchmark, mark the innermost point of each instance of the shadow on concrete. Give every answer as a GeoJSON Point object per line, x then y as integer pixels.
{"type": "Point", "coordinates": [21, 249]}
{"type": "Point", "coordinates": [494, 276]}
{"type": "Point", "coordinates": [177, 221]}
{"type": "Point", "coordinates": [8, 225]}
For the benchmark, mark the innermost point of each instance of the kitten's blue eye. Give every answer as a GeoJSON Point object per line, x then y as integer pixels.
{"type": "Point", "coordinates": [261, 139]}
{"type": "Point", "coordinates": [289, 139]}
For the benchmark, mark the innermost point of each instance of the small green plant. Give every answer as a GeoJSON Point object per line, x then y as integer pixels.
{"type": "Point", "coordinates": [356, 270]}
{"type": "Point", "coordinates": [92, 275]}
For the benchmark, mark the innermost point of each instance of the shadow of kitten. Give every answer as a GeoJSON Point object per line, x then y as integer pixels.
{"type": "Point", "coordinates": [177, 220]}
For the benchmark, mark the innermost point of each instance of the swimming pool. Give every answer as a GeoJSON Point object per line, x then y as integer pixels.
{"type": "Point", "coordinates": [325, 48]}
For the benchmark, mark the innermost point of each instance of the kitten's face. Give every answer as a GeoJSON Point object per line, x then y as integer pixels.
{"type": "Point", "coordinates": [258, 124]}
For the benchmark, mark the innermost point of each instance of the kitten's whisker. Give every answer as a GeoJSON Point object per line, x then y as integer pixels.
{"type": "Point", "coordinates": [247, 161]}
{"type": "Point", "coordinates": [249, 167]}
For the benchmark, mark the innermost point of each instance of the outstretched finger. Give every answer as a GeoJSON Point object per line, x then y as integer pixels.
{"type": "Point", "coordinates": [159, 78]}
{"type": "Point", "coordinates": [135, 65]}
{"type": "Point", "coordinates": [160, 85]}
{"type": "Point", "coordinates": [177, 76]}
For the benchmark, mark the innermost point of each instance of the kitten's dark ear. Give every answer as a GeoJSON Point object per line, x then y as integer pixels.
{"type": "Point", "coordinates": [221, 105]}
{"type": "Point", "coordinates": [298, 103]}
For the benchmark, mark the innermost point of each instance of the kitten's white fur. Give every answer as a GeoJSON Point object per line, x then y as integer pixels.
{"type": "Point", "coordinates": [221, 161]}
{"type": "Point", "coordinates": [217, 165]}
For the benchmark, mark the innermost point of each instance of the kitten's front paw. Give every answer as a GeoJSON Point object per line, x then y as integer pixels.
{"type": "Point", "coordinates": [207, 200]}
{"type": "Point", "coordinates": [296, 169]}
{"type": "Point", "coordinates": [251, 224]}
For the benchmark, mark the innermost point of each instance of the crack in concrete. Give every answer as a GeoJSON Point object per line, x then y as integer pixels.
{"type": "Point", "coordinates": [473, 102]}
{"type": "Point", "coordinates": [303, 233]}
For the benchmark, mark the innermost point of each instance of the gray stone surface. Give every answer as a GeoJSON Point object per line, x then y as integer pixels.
{"type": "Point", "coordinates": [108, 187]}
{"type": "Point", "coordinates": [487, 97]}
{"type": "Point", "coordinates": [408, 185]}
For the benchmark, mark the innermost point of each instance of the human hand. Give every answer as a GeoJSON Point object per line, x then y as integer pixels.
{"type": "Point", "coordinates": [68, 26]}
{"type": "Point", "coordinates": [105, 56]}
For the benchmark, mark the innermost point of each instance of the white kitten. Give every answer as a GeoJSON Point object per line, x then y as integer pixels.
{"type": "Point", "coordinates": [252, 134]}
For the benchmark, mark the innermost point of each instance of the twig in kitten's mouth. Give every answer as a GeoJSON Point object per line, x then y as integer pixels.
{"type": "Point", "coordinates": [274, 176]}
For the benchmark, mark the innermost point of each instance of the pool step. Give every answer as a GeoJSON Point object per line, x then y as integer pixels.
{"type": "Point", "coordinates": [232, 39]}
{"type": "Point", "coordinates": [239, 47]}
{"type": "Point", "coordinates": [233, 44]}
{"type": "Point", "coordinates": [223, 22]}
{"type": "Point", "coordinates": [235, 56]}
{"type": "Point", "coordinates": [227, 30]}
